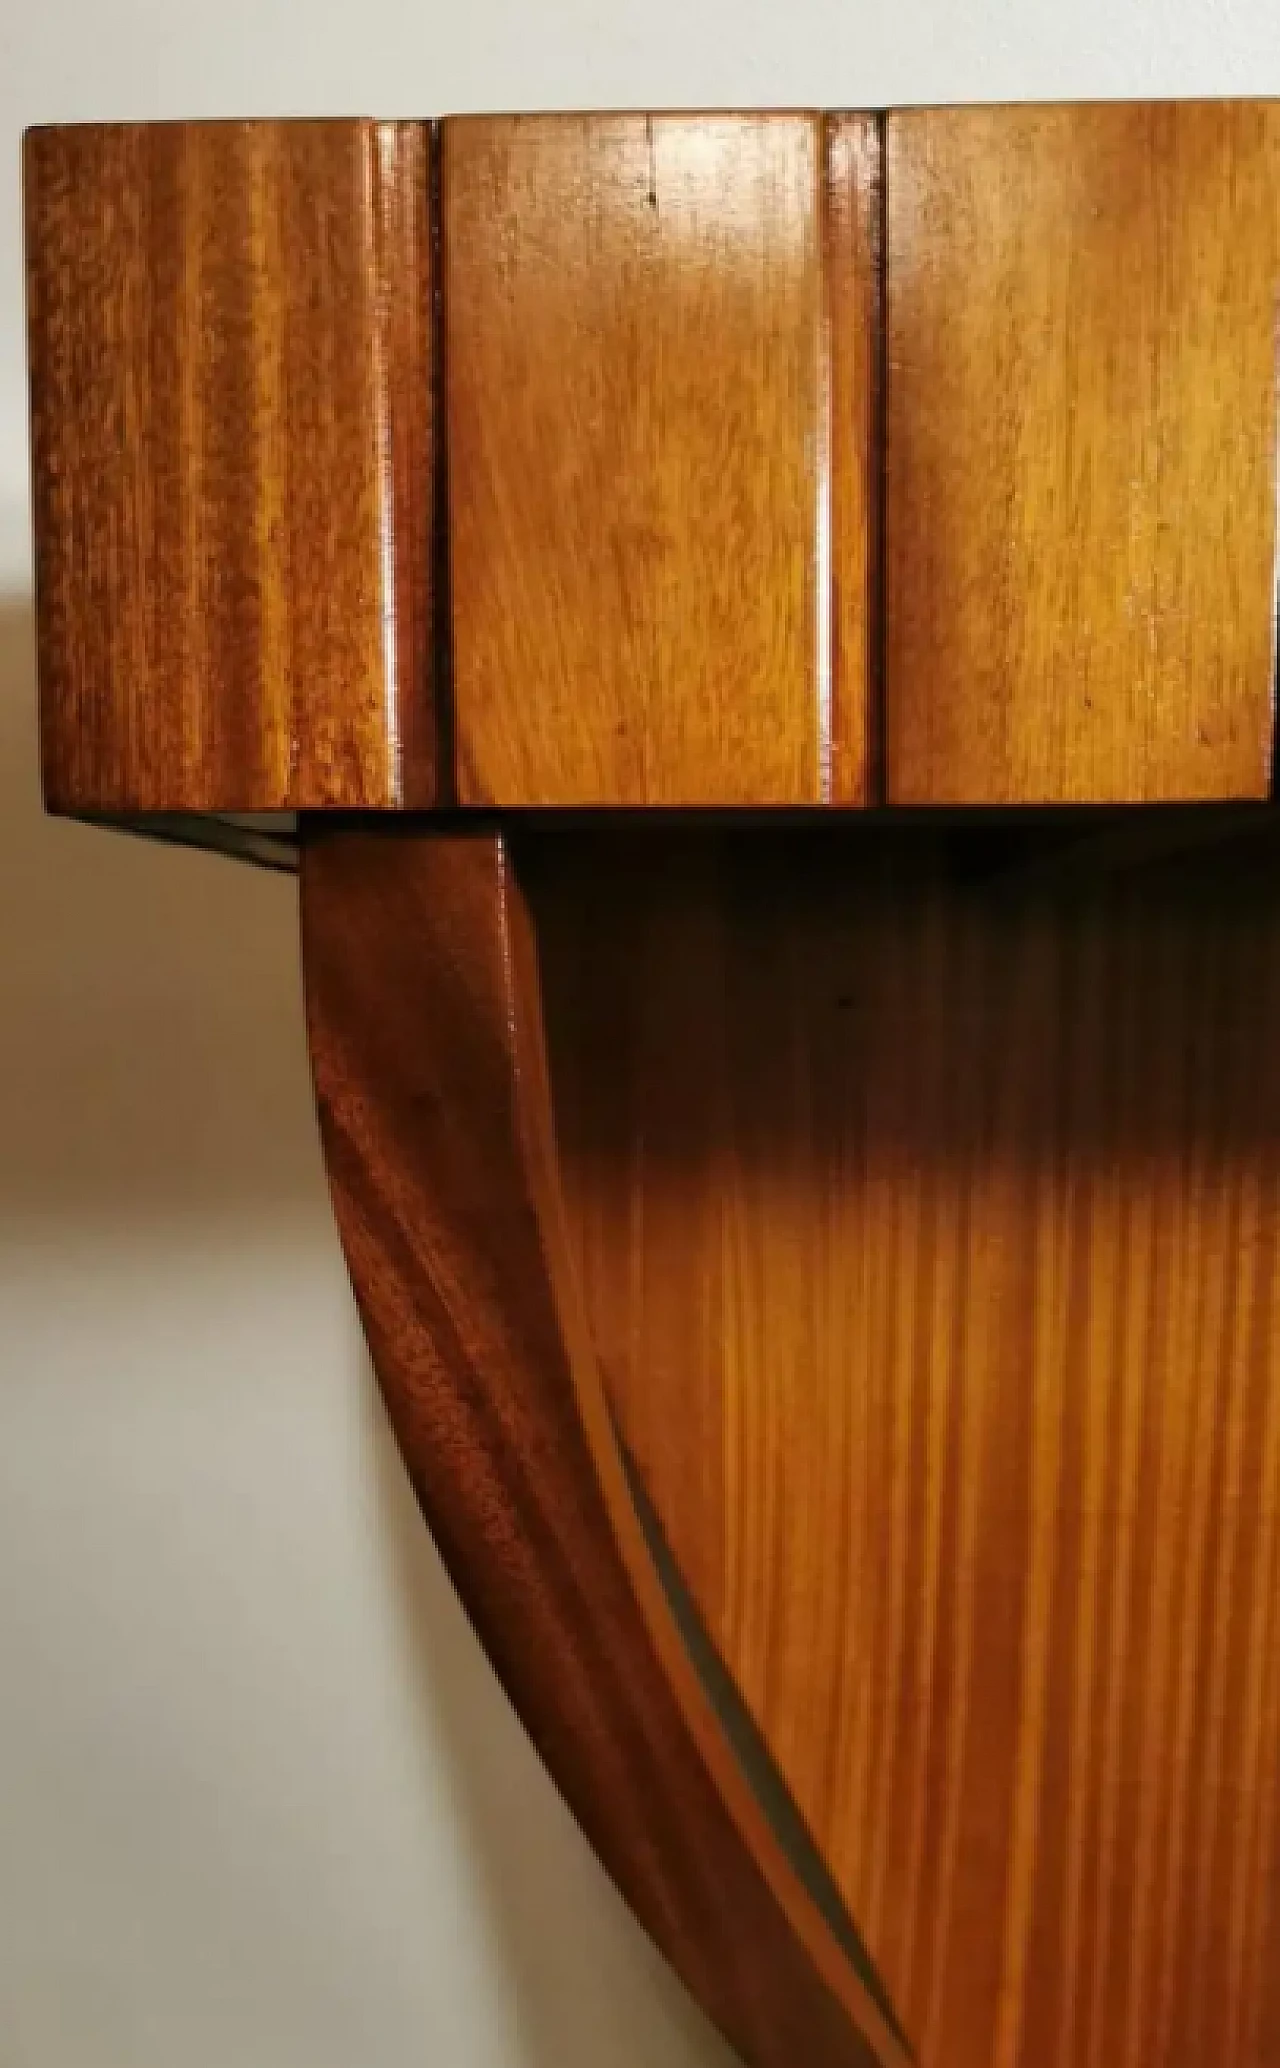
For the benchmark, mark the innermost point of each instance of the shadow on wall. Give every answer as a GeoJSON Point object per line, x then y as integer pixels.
{"type": "Point", "coordinates": [589, 1988]}
{"type": "Point", "coordinates": [153, 1078]}
{"type": "Point", "coordinates": [119, 955]}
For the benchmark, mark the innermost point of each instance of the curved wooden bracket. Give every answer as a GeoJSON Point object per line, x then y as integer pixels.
{"type": "Point", "coordinates": [426, 1040]}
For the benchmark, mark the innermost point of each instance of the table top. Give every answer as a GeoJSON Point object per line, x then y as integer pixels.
{"type": "Point", "coordinates": [767, 461]}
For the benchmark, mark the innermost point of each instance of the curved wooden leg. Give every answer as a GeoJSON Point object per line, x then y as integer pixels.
{"type": "Point", "coordinates": [426, 1041]}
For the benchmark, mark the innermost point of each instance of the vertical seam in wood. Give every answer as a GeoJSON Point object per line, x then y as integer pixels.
{"type": "Point", "coordinates": [384, 286]}
{"type": "Point", "coordinates": [440, 642]}
{"type": "Point", "coordinates": [192, 620]}
{"type": "Point", "coordinates": [275, 731]}
{"type": "Point", "coordinates": [877, 784]}
{"type": "Point", "coordinates": [1273, 747]}
{"type": "Point", "coordinates": [830, 686]}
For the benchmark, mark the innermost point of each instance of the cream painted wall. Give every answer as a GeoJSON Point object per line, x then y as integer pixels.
{"type": "Point", "coordinates": [261, 1805]}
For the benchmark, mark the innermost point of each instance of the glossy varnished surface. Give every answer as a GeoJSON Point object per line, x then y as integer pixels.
{"type": "Point", "coordinates": [231, 397]}
{"type": "Point", "coordinates": [925, 1197]}
{"type": "Point", "coordinates": [638, 462]}
{"type": "Point", "coordinates": [1081, 452]}
{"type": "Point", "coordinates": [426, 1042]}
{"type": "Point", "coordinates": [791, 459]}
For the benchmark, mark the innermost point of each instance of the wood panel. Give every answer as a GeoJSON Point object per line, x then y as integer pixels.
{"type": "Point", "coordinates": [927, 1223]}
{"type": "Point", "coordinates": [639, 476]}
{"type": "Point", "coordinates": [1081, 452]}
{"type": "Point", "coordinates": [231, 396]}
{"type": "Point", "coordinates": [425, 1032]}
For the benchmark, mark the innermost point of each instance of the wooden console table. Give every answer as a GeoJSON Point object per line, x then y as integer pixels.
{"type": "Point", "coordinates": [759, 632]}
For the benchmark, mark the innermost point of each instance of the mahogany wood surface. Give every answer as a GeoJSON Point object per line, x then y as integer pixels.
{"type": "Point", "coordinates": [639, 464]}
{"type": "Point", "coordinates": [426, 1043]}
{"type": "Point", "coordinates": [230, 349]}
{"type": "Point", "coordinates": [925, 1193]}
{"type": "Point", "coordinates": [1081, 452]}
{"type": "Point", "coordinates": [781, 457]}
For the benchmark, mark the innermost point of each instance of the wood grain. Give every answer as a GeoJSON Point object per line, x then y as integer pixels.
{"type": "Point", "coordinates": [1081, 441]}
{"type": "Point", "coordinates": [638, 463]}
{"type": "Point", "coordinates": [231, 392]}
{"type": "Point", "coordinates": [925, 1202]}
{"type": "Point", "coordinates": [425, 1035]}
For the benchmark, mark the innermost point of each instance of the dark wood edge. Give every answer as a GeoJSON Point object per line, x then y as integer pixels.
{"type": "Point", "coordinates": [426, 1042]}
